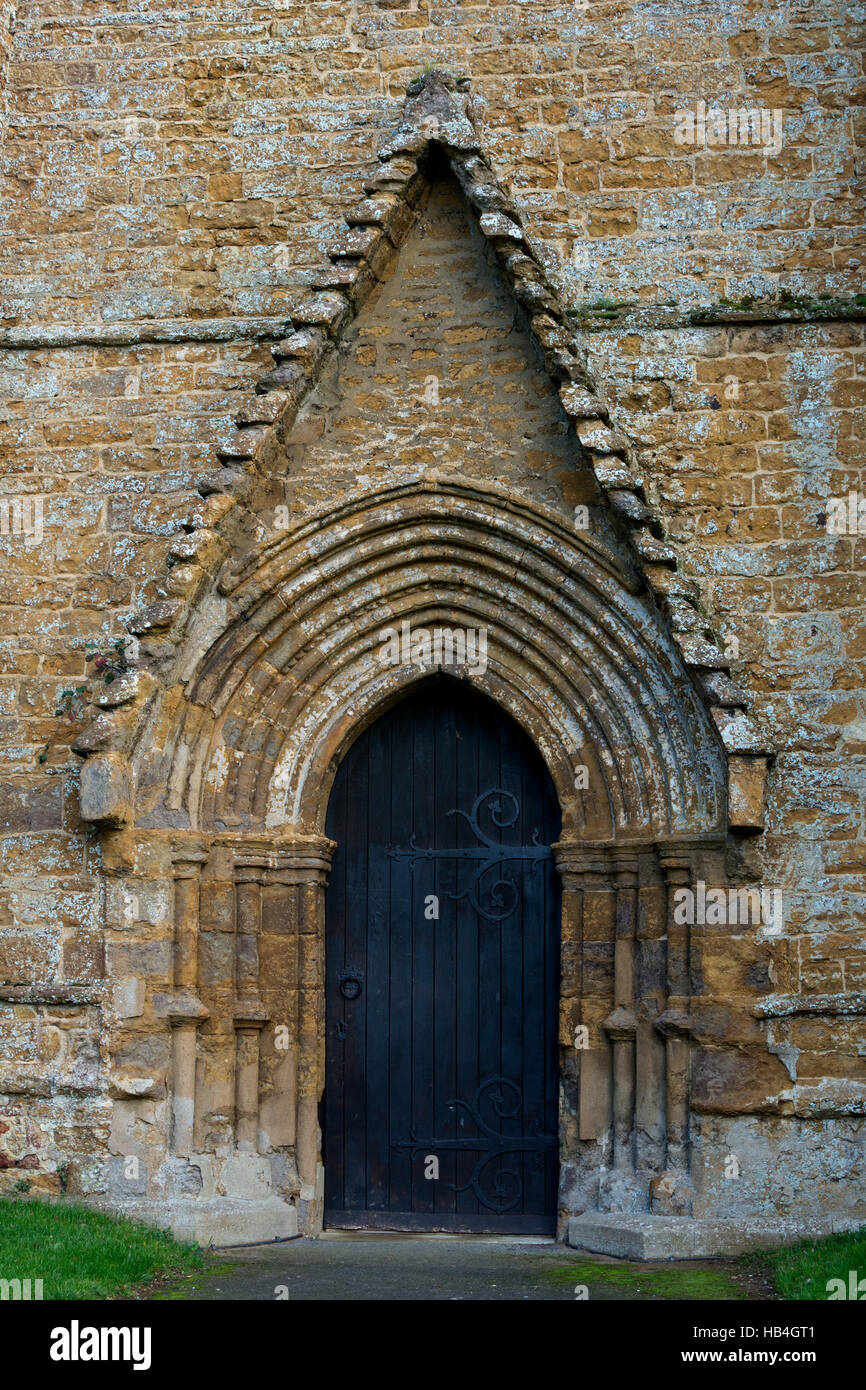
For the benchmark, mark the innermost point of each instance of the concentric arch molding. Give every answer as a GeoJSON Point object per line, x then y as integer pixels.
{"type": "Point", "coordinates": [291, 669]}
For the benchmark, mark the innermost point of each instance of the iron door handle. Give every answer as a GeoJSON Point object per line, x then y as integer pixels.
{"type": "Point", "coordinates": [350, 987]}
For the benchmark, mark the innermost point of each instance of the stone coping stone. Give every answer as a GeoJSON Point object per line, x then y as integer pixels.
{"type": "Point", "coordinates": [212, 1223]}
{"type": "Point", "coordinates": [643, 1237]}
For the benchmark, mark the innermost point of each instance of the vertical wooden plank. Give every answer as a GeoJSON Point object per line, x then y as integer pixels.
{"type": "Point", "coordinates": [400, 829]}
{"type": "Point", "coordinates": [490, 930]}
{"type": "Point", "coordinates": [518, 1004]}
{"type": "Point", "coordinates": [335, 1047]}
{"type": "Point", "coordinates": [444, 933]}
{"type": "Point", "coordinates": [378, 965]}
{"type": "Point", "coordinates": [467, 928]}
{"type": "Point", "coordinates": [424, 1019]}
{"type": "Point", "coordinates": [553, 926]}
{"type": "Point", "coordinates": [355, 1010]}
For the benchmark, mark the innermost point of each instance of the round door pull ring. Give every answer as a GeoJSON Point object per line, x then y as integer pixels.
{"type": "Point", "coordinates": [350, 988]}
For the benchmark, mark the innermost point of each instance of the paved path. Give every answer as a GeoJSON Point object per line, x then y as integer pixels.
{"type": "Point", "coordinates": [390, 1267]}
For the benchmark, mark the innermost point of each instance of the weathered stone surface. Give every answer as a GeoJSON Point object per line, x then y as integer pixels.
{"type": "Point", "coordinates": [737, 1082]}
{"type": "Point", "coordinates": [150, 260]}
{"type": "Point", "coordinates": [217, 1222]}
{"type": "Point", "coordinates": [721, 690]}
{"type": "Point", "coordinates": [582, 405]}
{"type": "Point", "coordinates": [698, 652]}
{"type": "Point", "coordinates": [747, 780]}
{"type": "Point", "coordinates": [106, 790]}
{"type": "Point", "coordinates": [629, 1237]}
{"type": "Point", "coordinates": [155, 617]}
{"type": "Point", "coordinates": [740, 734]}
{"type": "Point", "coordinates": [498, 227]}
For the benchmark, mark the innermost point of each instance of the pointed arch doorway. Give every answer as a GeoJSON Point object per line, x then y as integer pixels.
{"type": "Point", "coordinates": [442, 974]}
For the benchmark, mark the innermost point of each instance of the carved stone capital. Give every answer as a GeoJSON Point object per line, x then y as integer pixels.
{"type": "Point", "coordinates": [675, 1022]}
{"type": "Point", "coordinates": [250, 1013]}
{"type": "Point", "coordinates": [621, 1025]}
{"type": "Point", "coordinates": [580, 860]}
{"type": "Point", "coordinates": [180, 1007]}
{"type": "Point", "coordinates": [189, 854]}
{"type": "Point", "coordinates": [281, 858]}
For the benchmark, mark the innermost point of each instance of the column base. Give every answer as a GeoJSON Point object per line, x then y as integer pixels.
{"type": "Point", "coordinates": [620, 1191]}
{"type": "Point", "coordinates": [671, 1194]}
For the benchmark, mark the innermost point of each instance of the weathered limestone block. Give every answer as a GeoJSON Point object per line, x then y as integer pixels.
{"type": "Point", "coordinates": [583, 405]}
{"type": "Point", "coordinates": [654, 551]}
{"type": "Point", "coordinates": [259, 410]}
{"type": "Point", "coordinates": [740, 734]}
{"type": "Point", "coordinates": [127, 1083]}
{"type": "Point", "coordinates": [498, 227]}
{"type": "Point", "coordinates": [595, 435]}
{"type": "Point", "coordinates": [747, 779]}
{"type": "Point", "coordinates": [718, 689]}
{"type": "Point", "coordinates": [355, 279]}
{"type": "Point", "coordinates": [243, 446]}
{"type": "Point", "coordinates": [685, 617]}
{"type": "Point", "coordinates": [106, 790]}
{"type": "Point", "coordinates": [104, 735]}
{"type": "Point", "coordinates": [328, 311]}
{"type": "Point", "coordinates": [289, 378]}
{"type": "Point", "coordinates": [613, 475]}
{"type": "Point", "coordinates": [202, 545]}
{"type": "Point", "coordinates": [397, 174]}
{"type": "Point", "coordinates": [307, 345]}
{"type": "Point", "coordinates": [156, 617]}
{"type": "Point", "coordinates": [738, 1082]}
{"type": "Point", "coordinates": [698, 652]}
{"type": "Point", "coordinates": [628, 505]}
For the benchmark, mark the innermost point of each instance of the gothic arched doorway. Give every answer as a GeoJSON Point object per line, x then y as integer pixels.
{"type": "Point", "coordinates": [443, 914]}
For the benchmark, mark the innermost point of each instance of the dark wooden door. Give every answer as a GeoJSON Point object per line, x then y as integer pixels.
{"type": "Point", "coordinates": [441, 1094]}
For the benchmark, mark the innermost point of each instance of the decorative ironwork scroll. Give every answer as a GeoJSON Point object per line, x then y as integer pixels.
{"type": "Point", "coordinates": [501, 1190]}
{"type": "Point", "coordinates": [501, 896]}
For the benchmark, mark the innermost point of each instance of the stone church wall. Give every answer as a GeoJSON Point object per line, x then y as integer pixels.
{"type": "Point", "coordinates": [172, 180]}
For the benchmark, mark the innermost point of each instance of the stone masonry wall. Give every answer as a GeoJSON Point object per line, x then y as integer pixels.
{"type": "Point", "coordinates": [193, 160]}
{"type": "Point", "coordinates": [168, 168]}
{"type": "Point", "coordinates": [439, 372]}
{"type": "Point", "coordinates": [745, 432]}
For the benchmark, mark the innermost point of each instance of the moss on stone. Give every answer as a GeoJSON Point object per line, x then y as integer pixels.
{"type": "Point", "coordinates": [685, 1281]}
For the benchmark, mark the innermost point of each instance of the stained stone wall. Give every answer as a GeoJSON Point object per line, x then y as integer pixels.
{"type": "Point", "coordinates": [745, 432]}
{"type": "Point", "coordinates": [173, 180]}
{"type": "Point", "coordinates": [162, 138]}
{"type": "Point", "coordinates": [439, 372]}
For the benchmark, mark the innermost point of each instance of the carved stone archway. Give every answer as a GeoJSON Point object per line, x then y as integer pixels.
{"type": "Point", "coordinates": [233, 768]}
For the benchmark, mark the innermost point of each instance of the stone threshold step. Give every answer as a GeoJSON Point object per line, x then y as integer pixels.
{"type": "Point", "coordinates": [214, 1222]}
{"type": "Point", "coordinates": [644, 1237]}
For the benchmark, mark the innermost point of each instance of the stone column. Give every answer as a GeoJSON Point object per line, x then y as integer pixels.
{"type": "Point", "coordinates": [279, 980]}
{"type": "Point", "coordinates": [621, 1024]}
{"type": "Point", "coordinates": [184, 1009]}
{"type": "Point", "coordinates": [248, 1013]}
{"type": "Point", "coordinates": [672, 1193]}
{"type": "Point", "coordinates": [587, 994]}
{"type": "Point", "coordinates": [295, 909]}
{"type": "Point", "coordinates": [313, 867]}
{"type": "Point", "coordinates": [651, 997]}
{"type": "Point", "coordinates": [278, 961]}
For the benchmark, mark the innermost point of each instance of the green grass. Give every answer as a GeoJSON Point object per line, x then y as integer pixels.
{"type": "Point", "coordinates": [78, 1253]}
{"type": "Point", "coordinates": [675, 1282]}
{"type": "Point", "coordinates": [802, 1271]}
